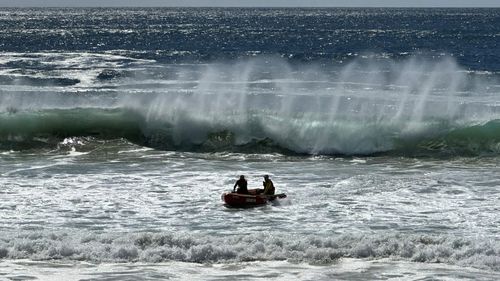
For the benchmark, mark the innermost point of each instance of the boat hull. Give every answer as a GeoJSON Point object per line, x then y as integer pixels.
{"type": "Point", "coordinates": [233, 199]}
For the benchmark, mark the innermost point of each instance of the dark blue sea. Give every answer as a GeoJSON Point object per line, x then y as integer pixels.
{"type": "Point", "coordinates": [121, 128]}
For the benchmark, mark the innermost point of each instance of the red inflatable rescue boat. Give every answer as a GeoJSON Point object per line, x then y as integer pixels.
{"type": "Point", "coordinates": [233, 199]}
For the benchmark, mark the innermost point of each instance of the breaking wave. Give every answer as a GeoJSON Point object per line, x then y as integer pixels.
{"type": "Point", "coordinates": [413, 107]}
{"type": "Point", "coordinates": [161, 247]}
{"type": "Point", "coordinates": [259, 133]}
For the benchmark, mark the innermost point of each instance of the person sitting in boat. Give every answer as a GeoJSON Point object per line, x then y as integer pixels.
{"type": "Point", "coordinates": [242, 185]}
{"type": "Point", "coordinates": [268, 186]}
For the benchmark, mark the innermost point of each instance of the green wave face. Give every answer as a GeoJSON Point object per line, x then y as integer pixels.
{"type": "Point", "coordinates": [463, 141]}
{"type": "Point", "coordinates": [22, 130]}
{"type": "Point", "coordinates": [260, 132]}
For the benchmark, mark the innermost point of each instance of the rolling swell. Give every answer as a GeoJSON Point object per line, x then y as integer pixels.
{"type": "Point", "coordinates": [259, 132]}
{"type": "Point", "coordinates": [46, 128]}
{"type": "Point", "coordinates": [464, 141]}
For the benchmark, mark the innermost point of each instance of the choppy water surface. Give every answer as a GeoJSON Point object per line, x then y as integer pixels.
{"type": "Point", "coordinates": [137, 205]}
{"type": "Point", "coordinates": [120, 129]}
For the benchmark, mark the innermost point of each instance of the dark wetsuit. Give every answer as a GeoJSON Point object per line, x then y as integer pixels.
{"type": "Point", "coordinates": [242, 186]}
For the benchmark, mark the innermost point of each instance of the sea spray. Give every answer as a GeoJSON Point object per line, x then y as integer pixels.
{"type": "Point", "coordinates": [362, 108]}
{"type": "Point", "coordinates": [365, 107]}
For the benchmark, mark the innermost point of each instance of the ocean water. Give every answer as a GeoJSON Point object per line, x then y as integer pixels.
{"type": "Point", "coordinates": [121, 128]}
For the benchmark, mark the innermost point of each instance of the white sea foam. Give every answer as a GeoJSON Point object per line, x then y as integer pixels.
{"type": "Point", "coordinates": [184, 247]}
{"type": "Point", "coordinates": [156, 197]}
{"type": "Point", "coordinates": [345, 269]}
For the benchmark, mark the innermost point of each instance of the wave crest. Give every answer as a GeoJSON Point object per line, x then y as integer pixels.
{"type": "Point", "coordinates": [161, 247]}
{"type": "Point", "coordinates": [263, 133]}
{"type": "Point", "coordinates": [413, 107]}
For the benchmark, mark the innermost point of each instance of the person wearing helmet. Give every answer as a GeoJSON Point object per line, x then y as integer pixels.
{"type": "Point", "coordinates": [242, 185]}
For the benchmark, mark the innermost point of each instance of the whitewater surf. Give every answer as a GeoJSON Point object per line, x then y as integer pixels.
{"type": "Point", "coordinates": [121, 128]}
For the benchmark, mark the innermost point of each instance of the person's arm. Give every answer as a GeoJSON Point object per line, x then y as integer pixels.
{"type": "Point", "coordinates": [234, 187]}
